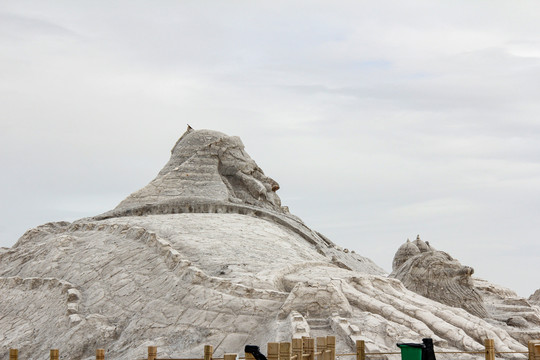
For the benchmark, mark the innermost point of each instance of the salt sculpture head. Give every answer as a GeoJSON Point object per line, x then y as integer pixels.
{"type": "Point", "coordinates": [207, 167]}
{"type": "Point", "coordinates": [438, 276]}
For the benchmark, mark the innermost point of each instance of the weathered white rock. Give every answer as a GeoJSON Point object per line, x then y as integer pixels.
{"type": "Point", "coordinates": [535, 297]}
{"type": "Point", "coordinates": [205, 254]}
{"type": "Point", "coordinates": [435, 274]}
{"type": "Point", "coordinates": [438, 276]}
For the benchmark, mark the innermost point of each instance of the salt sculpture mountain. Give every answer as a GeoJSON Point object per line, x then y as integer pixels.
{"type": "Point", "coordinates": [206, 254]}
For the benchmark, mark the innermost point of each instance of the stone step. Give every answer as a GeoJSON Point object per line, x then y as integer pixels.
{"type": "Point", "coordinates": [318, 323]}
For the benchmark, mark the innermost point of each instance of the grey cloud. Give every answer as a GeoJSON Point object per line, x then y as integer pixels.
{"type": "Point", "coordinates": [17, 26]}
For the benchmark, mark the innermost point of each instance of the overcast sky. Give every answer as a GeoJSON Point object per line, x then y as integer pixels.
{"type": "Point", "coordinates": [381, 120]}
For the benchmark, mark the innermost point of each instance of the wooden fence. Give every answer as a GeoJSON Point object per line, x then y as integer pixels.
{"type": "Point", "coordinates": [307, 349]}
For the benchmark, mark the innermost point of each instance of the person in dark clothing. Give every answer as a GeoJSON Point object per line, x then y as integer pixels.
{"type": "Point", "coordinates": [427, 352]}
{"type": "Point", "coordinates": [254, 350]}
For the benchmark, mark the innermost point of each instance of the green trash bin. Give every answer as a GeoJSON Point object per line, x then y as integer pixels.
{"type": "Point", "coordinates": [411, 351]}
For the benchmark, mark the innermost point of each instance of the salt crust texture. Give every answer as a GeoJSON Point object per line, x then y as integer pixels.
{"type": "Point", "coordinates": [206, 254]}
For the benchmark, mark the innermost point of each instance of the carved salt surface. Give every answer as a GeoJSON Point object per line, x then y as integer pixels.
{"type": "Point", "coordinates": [127, 283]}
{"type": "Point", "coordinates": [437, 275]}
{"type": "Point", "coordinates": [229, 245]}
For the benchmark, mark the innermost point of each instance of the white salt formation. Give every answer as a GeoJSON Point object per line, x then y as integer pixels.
{"type": "Point", "coordinates": [206, 254]}
{"type": "Point", "coordinates": [438, 276]}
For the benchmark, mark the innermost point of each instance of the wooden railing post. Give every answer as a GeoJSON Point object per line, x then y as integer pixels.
{"type": "Point", "coordinates": [284, 351]}
{"type": "Point", "coordinates": [490, 349]}
{"type": "Point", "coordinates": [360, 350]}
{"type": "Point", "coordinates": [13, 354]}
{"type": "Point", "coordinates": [536, 350]}
{"type": "Point", "coordinates": [309, 348]}
{"type": "Point", "coordinates": [208, 352]}
{"type": "Point", "coordinates": [152, 352]}
{"type": "Point", "coordinates": [54, 354]}
{"type": "Point", "coordinates": [272, 351]}
{"type": "Point", "coordinates": [100, 354]}
{"type": "Point", "coordinates": [297, 348]}
{"type": "Point", "coordinates": [321, 347]}
{"type": "Point", "coordinates": [531, 349]}
{"type": "Point", "coordinates": [229, 357]}
{"type": "Point", "coordinates": [331, 345]}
